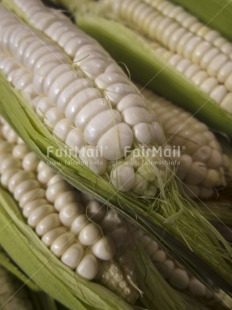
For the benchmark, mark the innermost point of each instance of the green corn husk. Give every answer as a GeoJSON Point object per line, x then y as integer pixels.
{"type": "Point", "coordinates": [214, 13]}
{"type": "Point", "coordinates": [38, 299]}
{"type": "Point", "coordinates": [9, 265]}
{"type": "Point", "coordinates": [177, 225]}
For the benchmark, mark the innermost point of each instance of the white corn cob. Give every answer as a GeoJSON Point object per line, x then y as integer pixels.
{"type": "Point", "coordinates": [120, 231]}
{"type": "Point", "coordinates": [199, 53]}
{"type": "Point", "coordinates": [62, 219]}
{"type": "Point", "coordinates": [202, 164]}
{"type": "Point", "coordinates": [13, 293]}
{"type": "Point", "coordinates": [94, 109]}
{"type": "Point", "coordinates": [191, 23]}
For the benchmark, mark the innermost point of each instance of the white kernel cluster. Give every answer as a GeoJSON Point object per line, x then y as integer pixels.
{"type": "Point", "coordinates": [100, 114]}
{"type": "Point", "coordinates": [120, 231]}
{"type": "Point", "coordinates": [202, 55]}
{"type": "Point", "coordinates": [69, 223]}
{"type": "Point", "coordinates": [202, 164]}
{"type": "Point", "coordinates": [55, 213]}
{"type": "Point", "coordinates": [191, 23]}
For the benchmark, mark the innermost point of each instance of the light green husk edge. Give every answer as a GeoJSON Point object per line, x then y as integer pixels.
{"type": "Point", "coordinates": [167, 218]}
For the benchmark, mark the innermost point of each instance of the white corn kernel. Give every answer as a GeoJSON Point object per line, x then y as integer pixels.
{"type": "Point", "coordinates": [88, 267]}
{"type": "Point", "coordinates": [218, 93]}
{"type": "Point", "coordinates": [32, 205]}
{"type": "Point", "coordinates": [227, 103]}
{"type": "Point", "coordinates": [100, 124]}
{"type": "Point", "coordinates": [90, 234]}
{"type": "Point", "coordinates": [24, 188]}
{"type": "Point", "coordinates": [48, 223]}
{"type": "Point", "coordinates": [69, 212]}
{"type": "Point", "coordinates": [73, 255]}
{"type": "Point", "coordinates": [56, 189]}
{"type": "Point", "coordinates": [66, 198]}
{"type": "Point", "coordinates": [179, 279]}
{"type": "Point", "coordinates": [208, 85]}
{"type": "Point", "coordinates": [123, 177]}
{"type": "Point", "coordinates": [38, 214]}
{"type": "Point", "coordinates": [79, 223]}
{"type": "Point", "coordinates": [62, 243]}
{"type": "Point", "coordinates": [49, 237]}
{"type": "Point", "coordinates": [115, 141]}
{"type": "Point", "coordinates": [224, 72]}
{"type": "Point", "coordinates": [104, 248]}
{"type": "Point", "coordinates": [197, 288]}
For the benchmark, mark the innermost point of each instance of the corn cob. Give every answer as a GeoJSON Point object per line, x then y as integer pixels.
{"type": "Point", "coordinates": [74, 118]}
{"type": "Point", "coordinates": [191, 23]}
{"type": "Point", "coordinates": [109, 273]}
{"type": "Point", "coordinates": [50, 230]}
{"type": "Point", "coordinates": [62, 127]}
{"type": "Point", "coordinates": [174, 273]}
{"type": "Point", "coordinates": [52, 227]}
{"type": "Point", "coordinates": [186, 43]}
{"type": "Point", "coordinates": [202, 165]}
{"type": "Point", "coordinates": [218, 17]}
{"type": "Point", "coordinates": [59, 219]}
{"type": "Point", "coordinates": [150, 69]}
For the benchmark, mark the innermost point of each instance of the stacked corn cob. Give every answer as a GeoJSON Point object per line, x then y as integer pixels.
{"type": "Point", "coordinates": [73, 107]}
{"type": "Point", "coordinates": [202, 55]}
{"type": "Point", "coordinates": [59, 218]}
{"type": "Point", "coordinates": [71, 225]}
{"type": "Point", "coordinates": [73, 93]}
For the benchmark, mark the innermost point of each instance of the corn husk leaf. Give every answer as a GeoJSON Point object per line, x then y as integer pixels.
{"type": "Point", "coordinates": [9, 265]}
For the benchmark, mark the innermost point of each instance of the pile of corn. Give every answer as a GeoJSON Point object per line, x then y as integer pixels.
{"type": "Point", "coordinates": [97, 174]}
